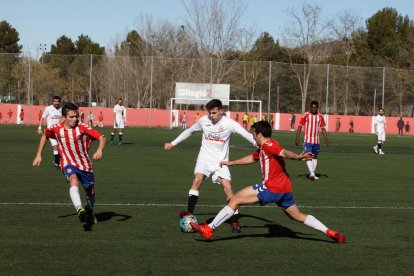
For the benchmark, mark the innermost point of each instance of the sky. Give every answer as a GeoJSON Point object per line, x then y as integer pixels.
{"type": "Point", "coordinates": [42, 22]}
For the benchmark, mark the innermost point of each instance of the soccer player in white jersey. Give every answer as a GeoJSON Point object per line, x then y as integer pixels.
{"type": "Point", "coordinates": [119, 121]}
{"type": "Point", "coordinates": [380, 125]}
{"type": "Point", "coordinates": [74, 139]}
{"type": "Point", "coordinates": [311, 122]}
{"type": "Point", "coordinates": [52, 114]}
{"type": "Point", "coordinates": [217, 131]}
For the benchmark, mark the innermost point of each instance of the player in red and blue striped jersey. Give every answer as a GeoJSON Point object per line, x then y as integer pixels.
{"type": "Point", "coordinates": [74, 140]}
{"type": "Point", "coordinates": [311, 122]}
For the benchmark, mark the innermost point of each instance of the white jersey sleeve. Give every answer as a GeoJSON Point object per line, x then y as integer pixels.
{"type": "Point", "coordinates": [243, 132]}
{"type": "Point", "coordinates": [45, 113]}
{"type": "Point", "coordinates": [187, 133]}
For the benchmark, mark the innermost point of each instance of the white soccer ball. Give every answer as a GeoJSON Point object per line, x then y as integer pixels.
{"type": "Point", "coordinates": [185, 223]}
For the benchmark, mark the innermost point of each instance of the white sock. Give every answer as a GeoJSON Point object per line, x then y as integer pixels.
{"type": "Point", "coordinates": [221, 217]}
{"type": "Point", "coordinates": [193, 192]}
{"type": "Point", "coordinates": [309, 163]}
{"type": "Point", "coordinates": [315, 163]}
{"type": "Point", "coordinates": [55, 152]}
{"type": "Point", "coordinates": [75, 197]}
{"type": "Point", "coordinates": [311, 221]}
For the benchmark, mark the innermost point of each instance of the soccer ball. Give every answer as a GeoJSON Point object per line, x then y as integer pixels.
{"type": "Point", "coordinates": [185, 223]}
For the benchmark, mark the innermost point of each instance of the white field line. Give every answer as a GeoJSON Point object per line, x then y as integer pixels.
{"type": "Point", "coordinates": [202, 205]}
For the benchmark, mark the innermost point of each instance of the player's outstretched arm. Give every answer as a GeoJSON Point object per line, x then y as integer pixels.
{"type": "Point", "coordinates": [184, 135]}
{"type": "Point", "coordinates": [38, 158]}
{"type": "Point", "coordinates": [244, 133]}
{"type": "Point", "coordinates": [242, 161]}
{"type": "Point", "coordinates": [98, 154]}
{"type": "Point", "coordinates": [291, 155]}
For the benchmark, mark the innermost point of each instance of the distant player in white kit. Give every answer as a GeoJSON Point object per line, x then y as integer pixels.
{"type": "Point", "coordinates": [52, 113]}
{"type": "Point", "coordinates": [380, 124]}
{"type": "Point", "coordinates": [215, 145]}
{"type": "Point", "coordinates": [119, 121]}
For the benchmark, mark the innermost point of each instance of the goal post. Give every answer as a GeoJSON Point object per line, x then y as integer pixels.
{"type": "Point", "coordinates": [173, 114]}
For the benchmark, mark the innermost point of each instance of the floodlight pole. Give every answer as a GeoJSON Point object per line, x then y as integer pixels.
{"type": "Point", "coordinates": [151, 73]}
{"type": "Point", "coordinates": [327, 95]}
{"type": "Point", "coordinates": [383, 86]}
{"type": "Point", "coordinates": [270, 87]}
{"type": "Point", "coordinates": [90, 85]}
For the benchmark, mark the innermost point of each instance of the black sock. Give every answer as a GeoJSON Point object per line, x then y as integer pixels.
{"type": "Point", "coordinates": [192, 201]}
{"type": "Point", "coordinates": [112, 137]}
{"type": "Point", "coordinates": [234, 218]}
{"type": "Point", "coordinates": [57, 158]}
{"type": "Point", "coordinates": [379, 146]}
{"type": "Point", "coordinates": [120, 137]}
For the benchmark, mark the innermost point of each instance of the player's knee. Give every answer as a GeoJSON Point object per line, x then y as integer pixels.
{"type": "Point", "coordinates": [197, 183]}
{"type": "Point", "coordinates": [233, 202]}
{"type": "Point", "coordinates": [73, 180]}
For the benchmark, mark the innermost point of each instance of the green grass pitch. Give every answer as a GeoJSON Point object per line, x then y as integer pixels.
{"type": "Point", "coordinates": [140, 189]}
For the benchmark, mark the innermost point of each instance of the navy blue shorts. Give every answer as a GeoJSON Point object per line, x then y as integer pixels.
{"type": "Point", "coordinates": [86, 178]}
{"type": "Point", "coordinates": [265, 196]}
{"type": "Point", "coordinates": [314, 148]}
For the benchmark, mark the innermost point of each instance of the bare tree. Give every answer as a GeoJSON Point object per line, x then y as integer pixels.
{"type": "Point", "coordinates": [216, 28]}
{"type": "Point", "coordinates": [216, 25]}
{"type": "Point", "coordinates": [304, 37]}
{"type": "Point", "coordinates": [344, 26]}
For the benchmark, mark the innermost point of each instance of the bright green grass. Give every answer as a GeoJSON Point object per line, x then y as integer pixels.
{"type": "Point", "coordinates": [367, 197]}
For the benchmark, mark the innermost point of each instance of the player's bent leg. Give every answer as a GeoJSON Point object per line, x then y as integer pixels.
{"type": "Point", "coordinates": [75, 197]}
{"type": "Point", "coordinates": [227, 187]}
{"type": "Point", "coordinates": [245, 196]}
{"type": "Point", "coordinates": [294, 213]}
{"type": "Point", "coordinates": [234, 220]}
{"type": "Point", "coordinates": [193, 194]}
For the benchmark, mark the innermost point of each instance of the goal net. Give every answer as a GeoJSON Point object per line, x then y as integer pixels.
{"type": "Point", "coordinates": [235, 109]}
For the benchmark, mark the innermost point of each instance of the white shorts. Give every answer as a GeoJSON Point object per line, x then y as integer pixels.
{"type": "Point", "coordinates": [208, 167]}
{"type": "Point", "coordinates": [120, 124]}
{"type": "Point", "coordinates": [53, 142]}
{"type": "Point", "coordinates": [381, 136]}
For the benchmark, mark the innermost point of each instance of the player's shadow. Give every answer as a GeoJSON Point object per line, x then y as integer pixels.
{"type": "Point", "coordinates": [101, 217]}
{"type": "Point", "coordinates": [109, 215]}
{"type": "Point", "coordinates": [239, 216]}
{"type": "Point", "coordinates": [274, 231]}
{"type": "Point", "coordinates": [319, 175]}
{"type": "Point", "coordinates": [104, 216]}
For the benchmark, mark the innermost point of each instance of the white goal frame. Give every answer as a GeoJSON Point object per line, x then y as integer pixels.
{"type": "Point", "coordinates": [207, 100]}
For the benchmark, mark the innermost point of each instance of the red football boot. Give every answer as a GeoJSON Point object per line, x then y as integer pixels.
{"type": "Point", "coordinates": [338, 237]}
{"type": "Point", "coordinates": [205, 230]}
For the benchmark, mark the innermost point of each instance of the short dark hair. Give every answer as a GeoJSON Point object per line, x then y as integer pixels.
{"type": "Point", "coordinates": [314, 103]}
{"type": "Point", "coordinates": [56, 98]}
{"type": "Point", "coordinates": [213, 104]}
{"type": "Point", "coordinates": [68, 107]}
{"type": "Point", "coordinates": [119, 99]}
{"type": "Point", "coordinates": [262, 127]}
